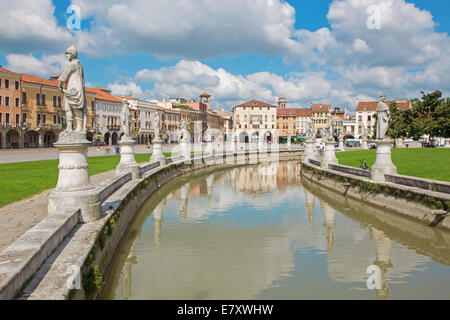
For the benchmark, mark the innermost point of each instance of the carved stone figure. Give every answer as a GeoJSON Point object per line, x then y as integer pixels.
{"type": "Point", "coordinates": [310, 133]}
{"type": "Point", "coordinates": [383, 116]}
{"type": "Point", "coordinates": [74, 92]}
{"type": "Point", "coordinates": [156, 121]}
{"type": "Point", "coordinates": [207, 136]}
{"type": "Point", "coordinates": [330, 127]}
{"type": "Point", "coordinates": [125, 118]}
{"type": "Point", "coordinates": [364, 132]}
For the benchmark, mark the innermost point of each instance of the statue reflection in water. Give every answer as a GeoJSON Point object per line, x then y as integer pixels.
{"type": "Point", "coordinates": [329, 214]}
{"type": "Point", "coordinates": [126, 272]}
{"type": "Point", "coordinates": [383, 246]}
{"type": "Point", "coordinates": [157, 221]}
{"type": "Point", "coordinates": [309, 203]}
{"type": "Point", "coordinates": [184, 190]}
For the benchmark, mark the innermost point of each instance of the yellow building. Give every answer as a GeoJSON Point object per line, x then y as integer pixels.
{"type": "Point", "coordinates": [43, 112]}
{"type": "Point", "coordinates": [319, 115]}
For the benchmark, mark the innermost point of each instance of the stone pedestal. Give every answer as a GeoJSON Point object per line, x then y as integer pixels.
{"type": "Point", "coordinates": [127, 160]}
{"type": "Point", "coordinates": [157, 155]}
{"type": "Point", "coordinates": [341, 145]}
{"type": "Point", "coordinates": [289, 143]}
{"type": "Point", "coordinates": [329, 156]}
{"type": "Point", "coordinates": [365, 146]}
{"type": "Point", "coordinates": [209, 148]}
{"type": "Point", "coordinates": [74, 189]}
{"type": "Point", "coordinates": [185, 150]}
{"type": "Point", "coordinates": [383, 163]}
{"type": "Point", "coordinates": [309, 151]}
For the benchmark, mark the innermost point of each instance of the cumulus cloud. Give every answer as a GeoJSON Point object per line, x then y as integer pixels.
{"type": "Point", "coordinates": [30, 26]}
{"type": "Point", "coordinates": [191, 78]}
{"type": "Point", "coordinates": [128, 88]}
{"type": "Point", "coordinates": [47, 65]}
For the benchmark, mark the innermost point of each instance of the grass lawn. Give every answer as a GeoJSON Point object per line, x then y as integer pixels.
{"type": "Point", "coordinates": [21, 180]}
{"type": "Point", "coordinates": [423, 163]}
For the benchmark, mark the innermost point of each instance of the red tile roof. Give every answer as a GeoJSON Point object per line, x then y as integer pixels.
{"type": "Point", "coordinates": [299, 112]}
{"type": "Point", "coordinates": [372, 105]}
{"type": "Point", "coordinates": [255, 103]}
{"type": "Point", "coordinates": [103, 94]}
{"type": "Point", "coordinates": [207, 95]}
{"type": "Point", "coordinates": [320, 107]}
{"type": "Point", "coordinates": [34, 79]}
{"type": "Point", "coordinates": [9, 72]}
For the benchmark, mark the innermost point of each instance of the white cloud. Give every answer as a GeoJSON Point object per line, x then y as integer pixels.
{"type": "Point", "coordinates": [30, 26]}
{"type": "Point", "coordinates": [128, 88]}
{"type": "Point", "coordinates": [47, 65]}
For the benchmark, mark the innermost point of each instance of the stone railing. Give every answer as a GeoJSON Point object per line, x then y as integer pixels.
{"type": "Point", "coordinates": [314, 162]}
{"type": "Point", "coordinates": [426, 184]}
{"type": "Point", "coordinates": [350, 170]}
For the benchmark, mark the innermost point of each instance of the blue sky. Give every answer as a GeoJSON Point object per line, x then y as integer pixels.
{"type": "Point", "coordinates": [320, 51]}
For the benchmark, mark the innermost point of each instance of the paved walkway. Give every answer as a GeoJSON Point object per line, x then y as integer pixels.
{"type": "Point", "coordinates": [22, 155]}
{"type": "Point", "coordinates": [18, 217]}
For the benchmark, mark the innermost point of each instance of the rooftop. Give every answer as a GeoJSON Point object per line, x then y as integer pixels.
{"type": "Point", "coordinates": [255, 103]}
{"type": "Point", "coordinates": [372, 105]}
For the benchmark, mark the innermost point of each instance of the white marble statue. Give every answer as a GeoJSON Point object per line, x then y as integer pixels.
{"type": "Point", "coordinates": [184, 131]}
{"type": "Point", "coordinates": [383, 116]}
{"type": "Point", "coordinates": [364, 132]}
{"type": "Point", "coordinates": [330, 127]}
{"type": "Point", "coordinates": [156, 122]}
{"type": "Point", "coordinates": [125, 118]}
{"type": "Point", "coordinates": [341, 135]}
{"type": "Point", "coordinates": [74, 92]}
{"type": "Point", "coordinates": [310, 133]}
{"type": "Point", "coordinates": [207, 136]}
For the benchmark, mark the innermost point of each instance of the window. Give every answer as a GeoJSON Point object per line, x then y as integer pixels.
{"type": "Point", "coordinates": [7, 118]}
{"type": "Point", "coordinates": [59, 101]}
{"type": "Point", "coordinates": [92, 106]}
{"type": "Point", "coordinates": [1, 100]}
{"type": "Point", "coordinates": [17, 120]}
{"type": "Point", "coordinates": [24, 117]}
{"type": "Point", "coordinates": [38, 99]}
{"type": "Point", "coordinates": [24, 97]}
{"type": "Point", "coordinates": [0, 83]}
{"type": "Point", "coordinates": [38, 119]}
{"type": "Point", "coordinates": [16, 85]}
{"type": "Point", "coordinates": [17, 102]}
{"type": "Point", "coordinates": [6, 84]}
{"type": "Point", "coordinates": [43, 100]}
{"type": "Point", "coordinates": [6, 101]}
{"type": "Point", "coordinates": [44, 118]}
{"type": "Point", "coordinates": [369, 118]}
{"type": "Point", "coordinates": [54, 101]}
{"type": "Point", "coordinates": [54, 119]}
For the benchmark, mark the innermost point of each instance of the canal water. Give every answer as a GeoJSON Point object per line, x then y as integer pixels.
{"type": "Point", "coordinates": [264, 232]}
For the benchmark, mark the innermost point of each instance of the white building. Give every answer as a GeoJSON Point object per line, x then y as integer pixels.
{"type": "Point", "coordinates": [107, 111]}
{"type": "Point", "coordinates": [254, 119]}
{"type": "Point", "coordinates": [143, 110]}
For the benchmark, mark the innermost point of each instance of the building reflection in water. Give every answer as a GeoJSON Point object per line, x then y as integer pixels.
{"type": "Point", "coordinates": [270, 245]}
{"type": "Point", "coordinates": [383, 246]}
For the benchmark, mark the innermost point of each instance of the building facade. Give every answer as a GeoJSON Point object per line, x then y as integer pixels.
{"type": "Point", "coordinates": [319, 113]}
{"type": "Point", "coordinates": [255, 119]}
{"type": "Point", "coordinates": [107, 120]}
{"type": "Point", "coordinates": [11, 118]}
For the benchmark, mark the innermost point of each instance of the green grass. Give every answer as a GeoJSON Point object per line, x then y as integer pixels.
{"type": "Point", "coordinates": [21, 180]}
{"type": "Point", "coordinates": [423, 163]}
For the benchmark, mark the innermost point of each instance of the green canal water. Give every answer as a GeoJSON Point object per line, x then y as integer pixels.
{"type": "Point", "coordinates": [264, 232]}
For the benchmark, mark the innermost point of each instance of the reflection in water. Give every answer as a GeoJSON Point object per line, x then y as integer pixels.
{"type": "Point", "coordinates": [383, 246]}
{"type": "Point", "coordinates": [249, 233]}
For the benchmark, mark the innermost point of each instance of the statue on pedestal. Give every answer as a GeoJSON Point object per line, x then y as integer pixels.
{"type": "Point", "coordinates": [364, 132]}
{"type": "Point", "coordinates": [310, 133]}
{"type": "Point", "coordinates": [383, 116]}
{"type": "Point", "coordinates": [330, 127]}
{"type": "Point", "coordinates": [184, 131]}
{"type": "Point", "coordinates": [156, 122]}
{"type": "Point", "coordinates": [125, 118]}
{"type": "Point", "coordinates": [74, 92]}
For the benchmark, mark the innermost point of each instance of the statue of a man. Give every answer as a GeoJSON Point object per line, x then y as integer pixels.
{"type": "Point", "coordinates": [74, 93]}
{"type": "Point", "coordinates": [330, 126]}
{"type": "Point", "coordinates": [125, 118]}
{"type": "Point", "coordinates": [207, 136]}
{"type": "Point", "coordinates": [364, 132]}
{"type": "Point", "coordinates": [156, 125]}
{"type": "Point", "coordinates": [383, 116]}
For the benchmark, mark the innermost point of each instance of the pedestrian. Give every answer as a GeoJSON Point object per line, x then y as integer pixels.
{"type": "Point", "coordinates": [117, 149]}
